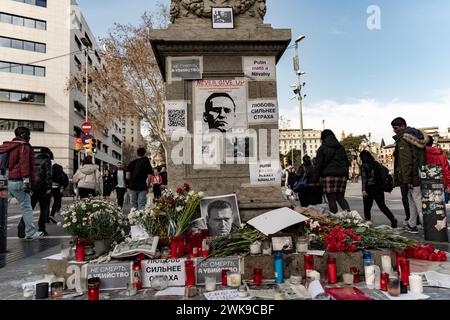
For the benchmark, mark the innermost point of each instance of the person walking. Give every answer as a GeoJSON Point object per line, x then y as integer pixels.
{"type": "Point", "coordinates": [332, 171]}
{"type": "Point", "coordinates": [60, 182]}
{"type": "Point", "coordinates": [21, 176]}
{"type": "Point", "coordinates": [108, 183]}
{"type": "Point", "coordinates": [312, 193]}
{"type": "Point", "coordinates": [120, 184]}
{"type": "Point", "coordinates": [409, 156]}
{"type": "Point", "coordinates": [88, 179]}
{"type": "Point", "coordinates": [139, 173]}
{"type": "Point", "coordinates": [372, 188]}
{"type": "Point", "coordinates": [156, 181]}
{"type": "Point", "coordinates": [437, 156]}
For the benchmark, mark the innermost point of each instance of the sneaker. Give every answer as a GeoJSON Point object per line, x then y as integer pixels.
{"type": "Point", "coordinates": [394, 224]}
{"type": "Point", "coordinates": [405, 223]}
{"type": "Point", "coordinates": [35, 236]}
{"type": "Point", "coordinates": [52, 220]}
{"type": "Point", "coordinates": [44, 233]}
{"type": "Point", "coordinates": [410, 229]}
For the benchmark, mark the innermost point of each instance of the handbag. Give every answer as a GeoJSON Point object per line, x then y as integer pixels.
{"type": "Point", "coordinates": [302, 182]}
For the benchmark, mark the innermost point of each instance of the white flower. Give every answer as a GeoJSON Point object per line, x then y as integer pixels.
{"type": "Point", "coordinates": [201, 194]}
{"type": "Point", "coordinates": [179, 209]}
{"type": "Point", "coordinates": [74, 220]}
{"type": "Point", "coordinates": [191, 193]}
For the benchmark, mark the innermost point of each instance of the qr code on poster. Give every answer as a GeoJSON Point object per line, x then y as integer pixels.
{"type": "Point", "coordinates": [177, 118]}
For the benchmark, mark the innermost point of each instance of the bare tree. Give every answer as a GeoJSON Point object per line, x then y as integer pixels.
{"type": "Point", "coordinates": [129, 80]}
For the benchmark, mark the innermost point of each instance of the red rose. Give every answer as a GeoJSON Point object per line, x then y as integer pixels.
{"type": "Point", "coordinates": [430, 248]}
{"type": "Point", "coordinates": [179, 191]}
{"type": "Point", "coordinates": [434, 257]}
{"type": "Point", "coordinates": [171, 202]}
{"type": "Point", "coordinates": [186, 187]}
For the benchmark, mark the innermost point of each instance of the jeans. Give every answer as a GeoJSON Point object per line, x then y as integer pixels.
{"type": "Point", "coordinates": [405, 202]}
{"type": "Point", "coordinates": [380, 201]}
{"type": "Point", "coordinates": [415, 206]}
{"type": "Point", "coordinates": [120, 196]}
{"type": "Point", "coordinates": [15, 191]}
{"type": "Point", "coordinates": [138, 199]}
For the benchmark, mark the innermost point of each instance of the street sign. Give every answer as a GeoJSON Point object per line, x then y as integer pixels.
{"type": "Point", "coordinates": [86, 127]}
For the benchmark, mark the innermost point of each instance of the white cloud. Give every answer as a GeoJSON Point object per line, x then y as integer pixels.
{"type": "Point", "coordinates": [369, 115]}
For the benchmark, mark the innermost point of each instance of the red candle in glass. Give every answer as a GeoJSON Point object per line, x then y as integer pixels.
{"type": "Point", "coordinates": [398, 256]}
{"type": "Point", "coordinates": [257, 276]}
{"type": "Point", "coordinates": [404, 266]}
{"type": "Point", "coordinates": [356, 276]}
{"type": "Point", "coordinates": [181, 246]}
{"type": "Point", "coordinates": [94, 289]}
{"type": "Point", "coordinates": [79, 252]}
{"type": "Point", "coordinates": [309, 263]}
{"type": "Point", "coordinates": [190, 275]}
{"type": "Point", "coordinates": [384, 281]}
{"type": "Point", "coordinates": [174, 247]}
{"type": "Point", "coordinates": [225, 277]}
{"type": "Point", "coordinates": [332, 270]}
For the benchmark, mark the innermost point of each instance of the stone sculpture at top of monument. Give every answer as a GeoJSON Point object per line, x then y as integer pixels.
{"type": "Point", "coordinates": [202, 8]}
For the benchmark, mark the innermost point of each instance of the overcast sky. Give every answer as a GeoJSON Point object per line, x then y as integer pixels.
{"type": "Point", "coordinates": [357, 79]}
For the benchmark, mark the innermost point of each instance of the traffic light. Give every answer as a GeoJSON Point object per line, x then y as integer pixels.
{"type": "Point", "coordinates": [89, 147]}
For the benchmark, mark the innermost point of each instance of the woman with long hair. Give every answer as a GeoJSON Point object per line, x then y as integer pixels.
{"type": "Point", "coordinates": [88, 179]}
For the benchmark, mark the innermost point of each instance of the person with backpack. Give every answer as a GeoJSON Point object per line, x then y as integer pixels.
{"type": "Point", "coordinates": [409, 156]}
{"type": "Point", "coordinates": [88, 179]}
{"type": "Point", "coordinates": [138, 176]}
{"type": "Point", "coordinates": [332, 171]}
{"type": "Point", "coordinates": [18, 157]}
{"type": "Point", "coordinates": [60, 182]}
{"type": "Point", "coordinates": [374, 184]}
{"type": "Point", "coordinates": [311, 193]}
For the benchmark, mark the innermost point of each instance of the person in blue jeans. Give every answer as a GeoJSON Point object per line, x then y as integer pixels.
{"type": "Point", "coordinates": [139, 173]}
{"type": "Point", "coordinates": [21, 176]}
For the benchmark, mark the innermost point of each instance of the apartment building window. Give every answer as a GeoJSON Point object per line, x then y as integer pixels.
{"type": "Point", "coordinates": [132, 131]}
{"type": "Point", "coordinates": [39, 3]}
{"type": "Point", "coordinates": [132, 139]}
{"type": "Point", "coordinates": [23, 21]}
{"type": "Point", "coordinates": [22, 44]}
{"type": "Point", "coordinates": [105, 148]}
{"type": "Point", "coordinates": [22, 69]}
{"type": "Point", "coordinates": [79, 108]}
{"type": "Point", "coordinates": [78, 43]}
{"type": "Point", "coordinates": [116, 141]}
{"type": "Point", "coordinates": [11, 125]}
{"type": "Point", "coordinates": [18, 96]}
{"type": "Point", "coordinates": [78, 62]}
{"type": "Point", "coordinates": [116, 155]}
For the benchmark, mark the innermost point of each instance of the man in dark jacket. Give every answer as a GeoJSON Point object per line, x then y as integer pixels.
{"type": "Point", "coordinates": [332, 170]}
{"type": "Point", "coordinates": [409, 156]}
{"type": "Point", "coordinates": [21, 176]}
{"type": "Point", "coordinates": [138, 174]}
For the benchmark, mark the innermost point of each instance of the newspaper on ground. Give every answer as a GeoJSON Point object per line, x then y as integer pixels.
{"type": "Point", "coordinates": [135, 247]}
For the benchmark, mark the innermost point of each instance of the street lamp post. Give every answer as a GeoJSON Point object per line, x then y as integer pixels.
{"type": "Point", "coordinates": [298, 92]}
{"type": "Point", "coordinates": [88, 45]}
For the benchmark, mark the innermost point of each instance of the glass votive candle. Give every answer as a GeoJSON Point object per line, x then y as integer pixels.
{"type": "Point", "coordinates": [94, 289]}
{"type": "Point", "coordinates": [348, 278]}
{"type": "Point", "coordinates": [56, 290]}
{"type": "Point", "coordinates": [210, 283]}
{"type": "Point", "coordinates": [302, 245]}
{"type": "Point", "coordinates": [257, 276]}
{"type": "Point", "coordinates": [267, 248]}
{"type": "Point", "coordinates": [255, 248]}
{"type": "Point", "coordinates": [234, 279]}
{"type": "Point", "coordinates": [225, 277]}
{"type": "Point", "coordinates": [394, 286]}
{"type": "Point", "coordinates": [384, 279]}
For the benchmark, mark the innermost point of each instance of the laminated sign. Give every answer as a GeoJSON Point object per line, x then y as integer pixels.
{"type": "Point", "coordinates": [172, 268]}
{"type": "Point", "coordinates": [265, 173]}
{"type": "Point", "coordinates": [112, 276]}
{"type": "Point", "coordinates": [185, 68]}
{"type": "Point", "coordinates": [214, 267]}
{"type": "Point", "coordinates": [262, 111]}
{"type": "Point", "coordinates": [260, 68]}
{"type": "Point", "coordinates": [433, 204]}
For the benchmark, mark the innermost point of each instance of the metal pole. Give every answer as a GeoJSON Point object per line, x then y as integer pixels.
{"type": "Point", "coordinates": [87, 83]}
{"type": "Point", "coordinates": [300, 100]}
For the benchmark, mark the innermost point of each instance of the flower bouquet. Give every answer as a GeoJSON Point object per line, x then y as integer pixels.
{"type": "Point", "coordinates": [427, 252]}
{"type": "Point", "coordinates": [155, 224]}
{"type": "Point", "coordinates": [342, 240]}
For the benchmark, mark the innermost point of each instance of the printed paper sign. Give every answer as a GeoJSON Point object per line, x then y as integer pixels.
{"type": "Point", "coordinates": [260, 68]}
{"type": "Point", "coordinates": [176, 116]}
{"type": "Point", "coordinates": [185, 68]}
{"type": "Point", "coordinates": [265, 173]}
{"type": "Point", "coordinates": [263, 111]}
{"type": "Point", "coordinates": [172, 268]}
{"type": "Point", "coordinates": [112, 276]}
{"type": "Point", "coordinates": [214, 267]}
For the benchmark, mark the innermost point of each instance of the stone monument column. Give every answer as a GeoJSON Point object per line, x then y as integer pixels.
{"type": "Point", "coordinates": [218, 60]}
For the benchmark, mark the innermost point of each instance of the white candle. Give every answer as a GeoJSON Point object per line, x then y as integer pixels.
{"type": "Point", "coordinates": [210, 284]}
{"type": "Point", "coordinates": [386, 264]}
{"type": "Point", "coordinates": [313, 275]}
{"type": "Point", "coordinates": [348, 278]}
{"type": "Point", "coordinates": [255, 248]}
{"type": "Point", "coordinates": [370, 276]}
{"type": "Point", "coordinates": [234, 280]}
{"type": "Point", "coordinates": [415, 283]}
{"type": "Point", "coordinates": [302, 247]}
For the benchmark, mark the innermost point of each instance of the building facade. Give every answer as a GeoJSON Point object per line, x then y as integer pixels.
{"type": "Point", "coordinates": [290, 140]}
{"type": "Point", "coordinates": [41, 49]}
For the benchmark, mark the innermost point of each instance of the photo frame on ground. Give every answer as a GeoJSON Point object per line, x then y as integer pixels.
{"type": "Point", "coordinates": [283, 243]}
{"type": "Point", "coordinates": [222, 18]}
{"type": "Point", "coordinates": [221, 214]}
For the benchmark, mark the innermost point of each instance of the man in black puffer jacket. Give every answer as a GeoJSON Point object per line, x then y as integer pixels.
{"type": "Point", "coordinates": [332, 170]}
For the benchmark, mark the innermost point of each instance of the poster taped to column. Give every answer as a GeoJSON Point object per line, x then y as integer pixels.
{"type": "Point", "coordinates": [260, 68]}
{"type": "Point", "coordinates": [264, 111]}
{"type": "Point", "coordinates": [176, 116]}
{"type": "Point", "coordinates": [265, 172]}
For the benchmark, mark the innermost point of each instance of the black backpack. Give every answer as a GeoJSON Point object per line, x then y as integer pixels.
{"type": "Point", "coordinates": [386, 179]}
{"type": "Point", "coordinates": [59, 176]}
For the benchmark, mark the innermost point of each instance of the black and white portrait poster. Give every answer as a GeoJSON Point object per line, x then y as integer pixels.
{"type": "Point", "coordinates": [176, 116]}
{"type": "Point", "coordinates": [221, 104]}
{"type": "Point", "coordinates": [222, 18]}
{"type": "Point", "coordinates": [221, 214]}
{"type": "Point", "coordinates": [264, 111]}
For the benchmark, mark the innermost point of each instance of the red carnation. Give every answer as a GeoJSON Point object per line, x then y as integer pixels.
{"type": "Point", "coordinates": [186, 187]}
{"type": "Point", "coordinates": [171, 202]}
{"type": "Point", "coordinates": [179, 191]}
